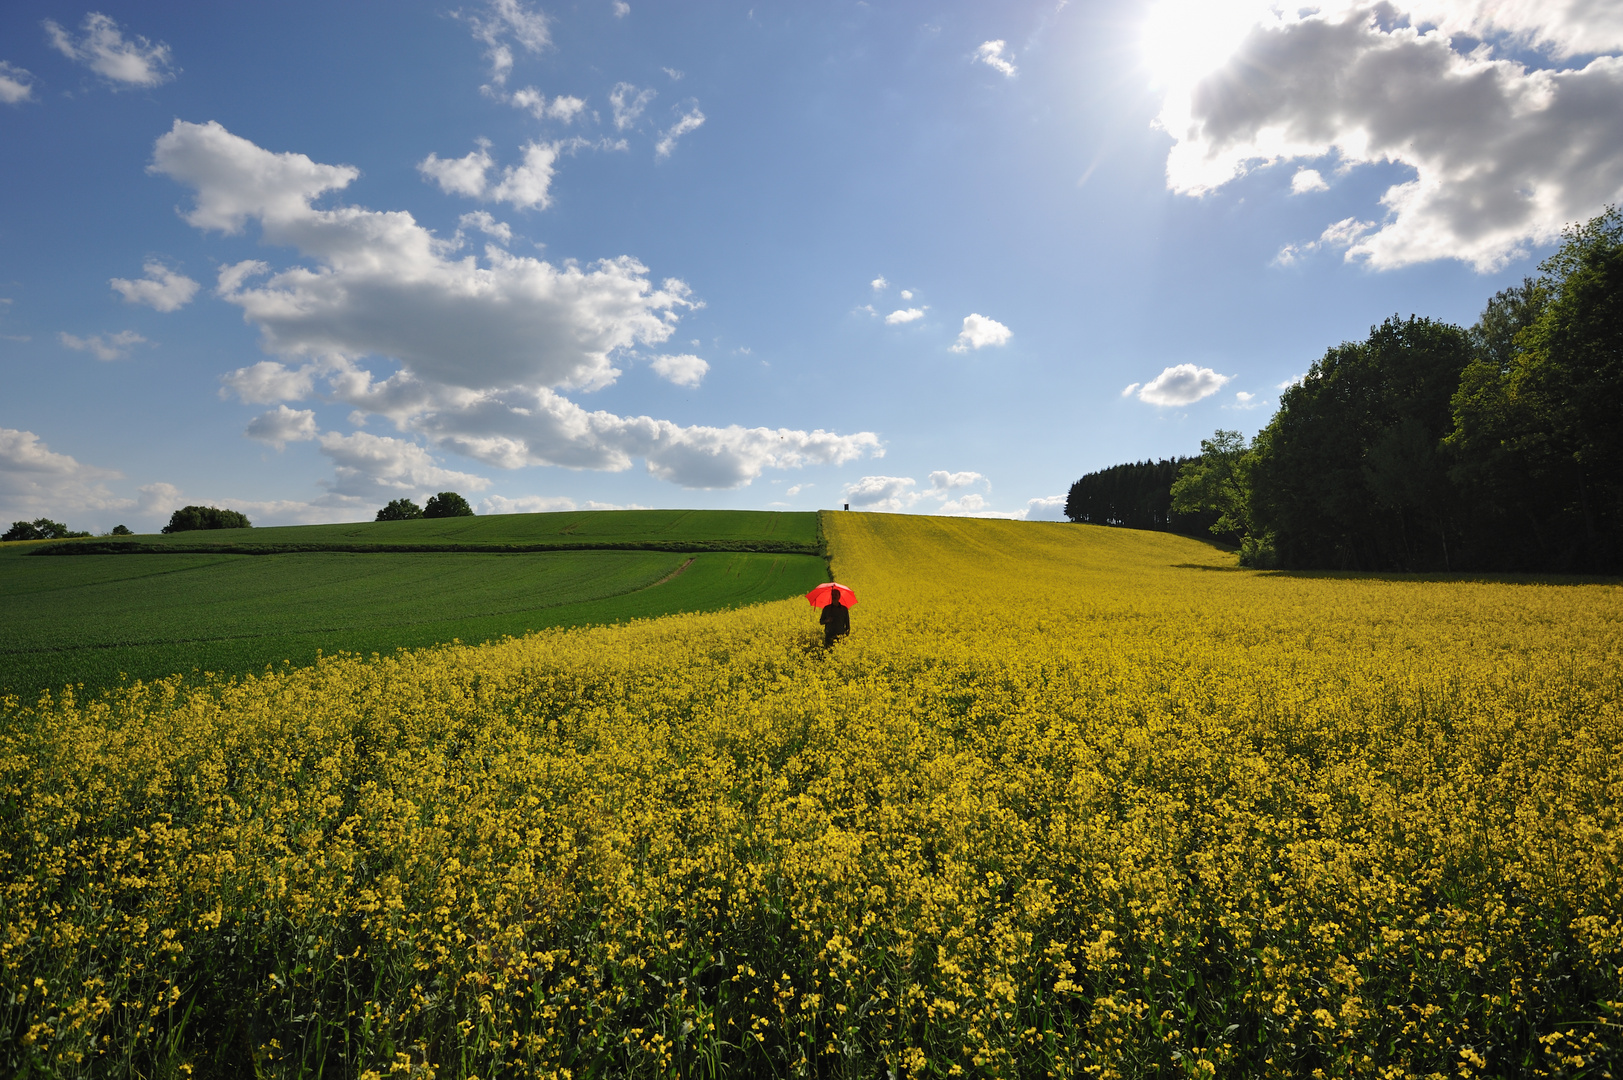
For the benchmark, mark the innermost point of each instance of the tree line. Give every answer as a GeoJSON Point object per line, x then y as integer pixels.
{"type": "Point", "coordinates": [1137, 495]}
{"type": "Point", "coordinates": [1429, 446]}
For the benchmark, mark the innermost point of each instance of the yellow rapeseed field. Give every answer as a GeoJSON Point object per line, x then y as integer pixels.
{"type": "Point", "coordinates": [1069, 801]}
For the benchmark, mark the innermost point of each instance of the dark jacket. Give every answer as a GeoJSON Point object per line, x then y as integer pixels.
{"type": "Point", "coordinates": [837, 617]}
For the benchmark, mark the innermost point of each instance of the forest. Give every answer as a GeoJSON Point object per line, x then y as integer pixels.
{"type": "Point", "coordinates": [1427, 446]}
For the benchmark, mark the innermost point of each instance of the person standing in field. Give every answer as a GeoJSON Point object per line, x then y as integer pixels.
{"type": "Point", "coordinates": [836, 619]}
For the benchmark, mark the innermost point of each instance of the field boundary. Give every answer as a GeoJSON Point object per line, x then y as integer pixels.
{"type": "Point", "coordinates": [128, 547]}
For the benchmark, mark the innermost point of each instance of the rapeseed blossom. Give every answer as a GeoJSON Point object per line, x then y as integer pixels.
{"type": "Point", "coordinates": [1070, 801]}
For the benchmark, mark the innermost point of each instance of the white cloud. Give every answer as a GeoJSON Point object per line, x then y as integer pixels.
{"type": "Point", "coordinates": [16, 84]}
{"type": "Point", "coordinates": [797, 489]}
{"type": "Point", "coordinates": [880, 284]}
{"type": "Point", "coordinates": [688, 121]}
{"type": "Point", "coordinates": [283, 425]}
{"type": "Point", "coordinates": [892, 493]}
{"type": "Point", "coordinates": [459, 176]}
{"type": "Point", "coordinates": [1127, 391]}
{"type": "Point", "coordinates": [161, 288]}
{"type": "Point", "coordinates": [971, 503]}
{"type": "Point", "coordinates": [1503, 154]}
{"type": "Point", "coordinates": [683, 370]}
{"type": "Point", "coordinates": [367, 464]}
{"type": "Point", "coordinates": [628, 104]}
{"type": "Point", "coordinates": [563, 108]}
{"type": "Point", "coordinates": [1307, 180]}
{"type": "Point", "coordinates": [524, 185]}
{"type": "Point", "coordinates": [1046, 508]}
{"type": "Point", "coordinates": [527, 504]}
{"type": "Point", "coordinates": [1182, 384]}
{"type": "Point", "coordinates": [904, 315]}
{"type": "Point", "coordinates": [37, 482]}
{"type": "Point", "coordinates": [1244, 401]}
{"type": "Point", "coordinates": [979, 331]}
{"type": "Point", "coordinates": [482, 345]}
{"type": "Point", "coordinates": [482, 220]}
{"type": "Point", "coordinates": [104, 346]}
{"type": "Point", "coordinates": [907, 294]}
{"type": "Point", "coordinates": [621, 9]}
{"type": "Point", "coordinates": [102, 48]}
{"type": "Point", "coordinates": [942, 481]}
{"type": "Point", "coordinates": [994, 55]}
{"type": "Point", "coordinates": [509, 19]}
{"type": "Point", "coordinates": [268, 381]}
{"type": "Point", "coordinates": [1294, 380]}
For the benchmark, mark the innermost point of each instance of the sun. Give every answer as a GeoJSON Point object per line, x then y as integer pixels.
{"type": "Point", "coordinates": [1181, 40]}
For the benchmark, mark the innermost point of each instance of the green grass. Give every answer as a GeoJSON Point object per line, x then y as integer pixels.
{"type": "Point", "coordinates": [694, 530]}
{"type": "Point", "coordinates": [98, 618]}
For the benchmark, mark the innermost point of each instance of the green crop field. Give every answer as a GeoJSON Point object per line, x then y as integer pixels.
{"type": "Point", "coordinates": [609, 529]}
{"type": "Point", "coordinates": [94, 619]}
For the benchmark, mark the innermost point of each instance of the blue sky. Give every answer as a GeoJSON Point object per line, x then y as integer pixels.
{"type": "Point", "coordinates": [301, 259]}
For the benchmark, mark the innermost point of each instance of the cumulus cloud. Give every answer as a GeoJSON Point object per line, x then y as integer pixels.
{"type": "Point", "coordinates": [628, 104]}
{"type": "Point", "coordinates": [482, 220]}
{"type": "Point", "coordinates": [690, 120]}
{"type": "Point", "coordinates": [1294, 380]}
{"type": "Point", "coordinates": [942, 481]}
{"type": "Point", "coordinates": [104, 346]}
{"type": "Point", "coordinates": [482, 346]}
{"type": "Point", "coordinates": [892, 493]}
{"type": "Point", "coordinates": [368, 465]}
{"type": "Point", "coordinates": [1127, 391]}
{"type": "Point", "coordinates": [683, 370]}
{"type": "Point", "coordinates": [980, 331]}
{"type": "Point", "coordinates": [1182, 384]}
{"type": "Point", "coordinates": [525, 185]}
{"type": "Point", "coordinates": [103, 49]}
{"type": "Point", "coordinates": [907, 294]}
{"type": "Point", "coordinates": [1046, 508]}
{"type": "Point", "coordinates": [506, 23]}
{"type": "Point", "coordinates": [904, 315]}
{"type": "Point", "coordinates": [621, 9]}
{"type": "Point", "coordinates": [35, 481]}
{"type": "Point", "coordinates": [1307, 180]}
{"type": "Point", "coordinates": [16, 84]}
{"type": "Point", "coordinates": [160, 288]}
{"type": "Point", "coordinates": [563, 108]}
{"type": "Point", "coordinates": [1502, 154]}
{"type": "Point", "coordinates": [283, 425]}
{"type": "Point", "coordinates": [268, 381]}
{"type": "Point", "coordinates": [880, 284]}
{"type": "Point", "coordinates": [460, 176]}
{"type": "Point", "coordinates": [995, 55]}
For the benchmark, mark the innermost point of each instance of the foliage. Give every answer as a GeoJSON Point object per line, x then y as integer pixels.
{"type": "Point", "coordinates": [40, 529]}
{"type": "Point", "coordinates": [121, 530]}
{"type": "Point", "coordinates": [1537, 437]}
{"type": "Point", "coordinates": [1216, 483]}
{"type": "Point", "coordinates": [400, 510]}
{"type": "Point", "coordinates": [92, 620]}
{"type": "Point", "coordinates": [194, 518]}
{"type": "Point", "coordinates": [1131, 813]}
{"type": "Point", "coordinates": [1135, 496]}
{"type": "Point", "coordinates": [447, 504]}
{"type": "Point", "coordinates": [1349, 472]}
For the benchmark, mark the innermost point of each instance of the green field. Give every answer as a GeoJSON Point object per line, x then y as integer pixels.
{"type": "Point", "coordinates": [96, 618]}
{"type": "Point", "coordinates": [674, 530]}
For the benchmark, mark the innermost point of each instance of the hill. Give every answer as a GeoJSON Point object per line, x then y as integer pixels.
{"type": "Point", "coordinates": [236, 600]}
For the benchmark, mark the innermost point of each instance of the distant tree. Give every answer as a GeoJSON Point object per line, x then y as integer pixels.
{"type": "Point", "coordinates": [400, 510]}
{"type": "Point", "coordinates": [1217, 482]}
{"type": "Point", "coordinates": [447, 504]}
{"type": "Point", "coordinates": [1135, 495]}
{"type": "Point", "coordinates": [40, 529]}
{"type": "Point", "coordinates": [122, 530]}
{"type": "Point", "coordinates": [193, 518]}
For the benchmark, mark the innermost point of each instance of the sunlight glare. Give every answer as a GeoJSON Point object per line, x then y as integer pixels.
{"type": "Point", "coordinates": [1185, 39]}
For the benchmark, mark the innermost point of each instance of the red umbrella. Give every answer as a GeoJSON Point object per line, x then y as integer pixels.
{"type": "Point", "coordinates": [819, 597]}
